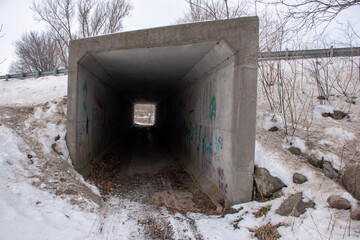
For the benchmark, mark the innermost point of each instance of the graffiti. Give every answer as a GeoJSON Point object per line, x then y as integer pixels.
{"type": "Point", "coordinates": [84, 106]}
{"type": "Point", "coordinates": [213, 108]}
{"type": "Point", "coordinates": [206, 150]}
{"type": "Point", "coordinates": [85, 87]}
{"type": "Point", "coordinates": [219, 144]}
{"type": "Point", "coordinates": [191, 111]}
{"type": "Point", "coordinates": [222, 185]}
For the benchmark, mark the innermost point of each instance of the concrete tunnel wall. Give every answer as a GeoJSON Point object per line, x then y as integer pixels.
{"type": "Point", "coordinates": [202, 77]}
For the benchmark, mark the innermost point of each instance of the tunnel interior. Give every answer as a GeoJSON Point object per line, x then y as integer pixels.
{"type": "Point", "coordinates": [204, 93]}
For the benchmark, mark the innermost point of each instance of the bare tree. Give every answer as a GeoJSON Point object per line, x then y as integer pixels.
{"type": "Point", "coordinates": [70, 19]}
{"type": "Point", "coordinates": [311, 13]}
{"type": "Point", "coordinates": [202, 10]}
{"type": "Point", "coordinates": [36, 52]}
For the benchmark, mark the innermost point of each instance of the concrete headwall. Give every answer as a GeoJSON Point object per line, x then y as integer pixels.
{"type": "Point", "coordinates": [202, 77]}
{"type": "Point", "coordinates": [202, 131]}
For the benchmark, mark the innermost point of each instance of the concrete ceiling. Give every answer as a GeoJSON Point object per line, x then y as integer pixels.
{"type": "Point", "coordinates": [147, 74]}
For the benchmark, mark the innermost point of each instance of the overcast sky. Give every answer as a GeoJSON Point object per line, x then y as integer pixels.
{"type": "Point", "coordinates": [17, 18]}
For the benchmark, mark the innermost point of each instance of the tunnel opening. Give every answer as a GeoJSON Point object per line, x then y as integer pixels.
{"type": "Point", "coordinates": [202, 79]}
{"type": "Point", "coordinates": [144, 114]}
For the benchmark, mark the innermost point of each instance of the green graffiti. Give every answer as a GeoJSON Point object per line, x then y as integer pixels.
{"type": "Point", "coordinates": [213, 108]}
{"type": "Point", "coordinates": [85, 87]}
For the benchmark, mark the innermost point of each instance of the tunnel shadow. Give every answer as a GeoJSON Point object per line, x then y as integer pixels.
{"type": "Point", "coordinates": [142, 168]}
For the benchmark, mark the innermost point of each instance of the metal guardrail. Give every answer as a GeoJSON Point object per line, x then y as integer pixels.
{"type": "Point", "coordinates": [280, 55]}
{"type": "Point", "coordinates": [314, 53]}
{"type": "Point", "coordinates": [34, 74]}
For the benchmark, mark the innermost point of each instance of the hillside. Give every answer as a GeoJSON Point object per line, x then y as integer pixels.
{"type": "Point", "coordinates": [43, 197]}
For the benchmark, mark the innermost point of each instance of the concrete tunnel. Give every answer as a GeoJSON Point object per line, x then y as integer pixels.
{"type": "Point", "coordinates": [202, 78]}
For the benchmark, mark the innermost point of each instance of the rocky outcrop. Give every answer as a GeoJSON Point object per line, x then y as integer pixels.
{"type": "Point", "coordinates": [294, 206]}
{"type": "Point", "coordinates": [299, 178]}
{"type": "Point", "coordinates": [294, 150]}
{"type": "Point", "coordinates": [355, 214]}
{"type": "Point", "coordinates": [351, 180]}
{"type": "Point", "coordinates": [329, 171]}
{"type": "Point", "coordinates": [315, 162]}
{"type": "Point", "coordinates": [335, 201]}
{"type": "Point", "coordinates": [266, 184]}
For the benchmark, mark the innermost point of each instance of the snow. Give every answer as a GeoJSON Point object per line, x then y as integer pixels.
{"type": "Point", "coordinates": [273, 121]}
{"type": "Point", "coordinates": [294, 142]}
{"type": "Point", "coordinates": [340, 133]}
{"type": "Point", "coordinates": [320, 109]}
{"type": "Point", "coordinates": [31, 91]}
{"type": "Point", "coordinates": [29, 210]}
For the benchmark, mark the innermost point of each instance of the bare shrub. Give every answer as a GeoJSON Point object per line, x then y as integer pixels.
{"type": "Point", "coordinates": [36, 52]}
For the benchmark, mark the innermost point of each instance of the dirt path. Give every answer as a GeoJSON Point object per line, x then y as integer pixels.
{"type": "Point", "coordinates": [141, 181]}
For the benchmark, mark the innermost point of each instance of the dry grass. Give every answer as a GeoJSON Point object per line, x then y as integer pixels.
{"type": "Point", "coordinates": [267, 232]}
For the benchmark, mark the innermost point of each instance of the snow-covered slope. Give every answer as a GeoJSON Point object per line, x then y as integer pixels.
{"type": "Point", "coordinates": [38, 200]}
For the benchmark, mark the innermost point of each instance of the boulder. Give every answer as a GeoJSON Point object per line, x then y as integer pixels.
{"type": "Point", "coordinates": [355, 214]}
{"type": "Point", "coordinates": [315, 162]}
{"type": "Point", "coordinates": [299, 178]}
{"type": "Point", "coordinates": [294, 150]}
{"type": "Point", "coordinates": [351, 180]}
{"type": "Point", "coordinates": [294, 206]}
{"type": "Point", "coordinates": [335, 201]}
{"type": "Point", "coordinates": [273, 129]}
{"type": "Point", "coordinates": [265, 183]}
{"type": "Point", "coordinates": [329, 171]}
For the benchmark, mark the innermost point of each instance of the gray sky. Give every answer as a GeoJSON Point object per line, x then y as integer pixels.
{"type": "Point", "coordinates": [17, 18]}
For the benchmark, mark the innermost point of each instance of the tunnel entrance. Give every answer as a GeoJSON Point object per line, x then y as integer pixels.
{"type": "Point", "coordinates": [202, 79]}
{"type": "Point", "coordinates": [143, 169]}
{"type": "Point", "coordinates": [144, 114]}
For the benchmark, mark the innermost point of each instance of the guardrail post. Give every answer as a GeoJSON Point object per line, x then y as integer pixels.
{"type": "Point", "coordinates": [22, 75]}
{"type": "Point", "coordinates": [331, 51]}
{"type": "Point", "coordinates": [55, 71]}
{"type": "Point", "coordinates": [38, 73]}
{"type": "Point", "coordinates": [287, 54]}
{"type": "Point", "coordinates": [7, 77]}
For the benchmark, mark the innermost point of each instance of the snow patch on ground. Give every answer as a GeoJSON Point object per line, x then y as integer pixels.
{"type": "Point", "coordinates": [32, 91]}
{"type": "Point", "coordinates": [320, 109]}
{"type": "Point", "coordinates": [294, 142]}
{"type": "Point", "coordinates": [340, 133]}
{"type": "Point", "coordinates": [28, 212]}
{"type": "Point", "coordinates": [273, 121]}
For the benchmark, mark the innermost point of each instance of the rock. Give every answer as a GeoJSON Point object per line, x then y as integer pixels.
{"type": "Point", "coordinates": [355, 214]}
{"type": "Point", "coordinates": [299, 178]}
{"type": "Point", "coordinates": [335, 201]}
{"type": "Point", "coordinates": [265, 183]}
{"type": "Point", "coordinates": [294, 206]}
{"type": "Point", "coordinates": [56, 148]}
{"type": "Point", "coordinates": [338, 115]}
{"type": "Point", "coordinates": [325, 115]}
{"type": "Point", "coordinates": [273, 129]}
{"type": "Point", "coordinates": [351, 180]}
{"type": "Point", "coordinates": [329, 171]}
{"type": "Point", "coordinates": [277, 194]}
{"type": "Point", "coordinates": [322, 98]}
{"type": "Point", "coordinates": [315, 162]}
{"type": "Point", "coordinates": [294, 150]}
